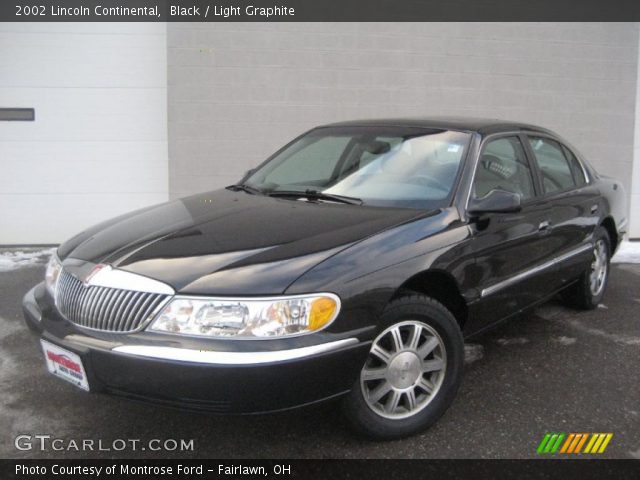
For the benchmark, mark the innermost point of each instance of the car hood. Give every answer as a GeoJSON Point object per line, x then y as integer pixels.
{"type": "Point", "coordinates": [230, 243]}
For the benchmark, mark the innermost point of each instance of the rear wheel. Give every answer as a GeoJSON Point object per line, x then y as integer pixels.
{"type": "Point", "coordinates": [412, 372]}
{"type": "Point", "coordinates": [587, 293]}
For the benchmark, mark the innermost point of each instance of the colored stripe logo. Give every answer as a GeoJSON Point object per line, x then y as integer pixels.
{"type": "Point", "coordinates": [553, 443]}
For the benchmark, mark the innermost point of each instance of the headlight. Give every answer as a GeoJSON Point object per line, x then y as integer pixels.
{"type": "Point", "coordinates": [54, 267]}
{"type": "Point", "coordinates": [248, 318]}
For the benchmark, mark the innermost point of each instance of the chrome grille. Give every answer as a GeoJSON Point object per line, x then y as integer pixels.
{"type": "Point", "coordinates": [104, 308]}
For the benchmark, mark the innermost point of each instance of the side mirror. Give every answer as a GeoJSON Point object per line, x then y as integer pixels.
{"type": "Point", "coordinates": [496, 201]}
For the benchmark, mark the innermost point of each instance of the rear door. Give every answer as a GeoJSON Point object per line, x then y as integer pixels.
{"type": "Point", "coordinates": [574, 205]}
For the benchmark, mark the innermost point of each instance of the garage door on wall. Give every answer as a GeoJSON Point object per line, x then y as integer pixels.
{"type": "Point", "coordinates": [97, 144]}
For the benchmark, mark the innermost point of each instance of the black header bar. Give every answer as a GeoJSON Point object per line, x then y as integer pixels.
{"type": "Point", "coordinates": [317, 10]}
{"type": "Point", "coordinates": [584, 469]}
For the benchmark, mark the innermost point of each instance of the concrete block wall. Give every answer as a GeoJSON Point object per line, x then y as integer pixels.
{"type": "Point", "coordinates": [238, 91]}
{"type": "Point", "coordinates": [634, 198]}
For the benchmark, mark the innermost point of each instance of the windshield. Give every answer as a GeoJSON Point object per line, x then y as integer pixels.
{"type": "Point", "coordinates": [380, 166]}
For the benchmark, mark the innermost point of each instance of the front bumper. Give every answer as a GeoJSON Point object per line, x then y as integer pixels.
{"type": "Point", "coordinates": [201, 374]}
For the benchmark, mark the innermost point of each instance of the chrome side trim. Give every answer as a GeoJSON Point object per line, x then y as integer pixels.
{"type": "Point", "coordinates": [533, 271]}
{"type": "Point", "coordinates": [110, 277]}
{"type": "Point", "coordinates": [231, 358]}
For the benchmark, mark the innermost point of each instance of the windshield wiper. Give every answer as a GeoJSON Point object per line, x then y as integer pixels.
{"type": "Point", "coordinates": [243, 187]}
{"type": "Point", "coordinates": [316, 195]}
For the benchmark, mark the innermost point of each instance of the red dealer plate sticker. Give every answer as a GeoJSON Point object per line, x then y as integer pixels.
{"type": "Point", "coordinates": [65, 364]}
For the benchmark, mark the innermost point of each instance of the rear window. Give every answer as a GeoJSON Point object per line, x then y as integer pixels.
{"type": "Point", "coordinates": [576, 167]}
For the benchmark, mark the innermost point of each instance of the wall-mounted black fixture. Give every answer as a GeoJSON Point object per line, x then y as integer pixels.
{"type": "Point", "coordinates": [17, 114]}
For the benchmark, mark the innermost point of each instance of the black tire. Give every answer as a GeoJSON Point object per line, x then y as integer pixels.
{"type": "Point", "coordinates": [580, 295]}
{"type": "Point", "coordinates": [409, 314]}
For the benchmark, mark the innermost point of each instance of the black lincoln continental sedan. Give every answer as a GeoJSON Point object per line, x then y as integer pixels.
{"type": "Point", "coordinates": [352, 263]}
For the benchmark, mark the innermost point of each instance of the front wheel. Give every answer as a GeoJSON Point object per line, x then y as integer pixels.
{"type": "Point", "coordinates": [412, 372]}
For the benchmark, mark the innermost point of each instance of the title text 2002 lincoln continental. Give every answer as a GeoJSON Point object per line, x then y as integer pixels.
{"type": "Point", "coordinates": [352, 263]}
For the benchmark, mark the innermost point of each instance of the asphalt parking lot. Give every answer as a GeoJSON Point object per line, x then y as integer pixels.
{"type": "Point", "coordinates": [554, 370]}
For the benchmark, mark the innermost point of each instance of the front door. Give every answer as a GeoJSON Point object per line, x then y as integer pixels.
{"type": "Point", "coordinates": [510, 249]}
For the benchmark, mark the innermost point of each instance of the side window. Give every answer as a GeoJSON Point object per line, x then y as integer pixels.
{"type": "Point", "coordinates": [576, 168]}
{"type": "Point", "coordinates": [554, 167]}
{"type": "Point", "coordinates": [503, 166]}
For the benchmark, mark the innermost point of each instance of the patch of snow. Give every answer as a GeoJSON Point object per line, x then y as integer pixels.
{"type": "Point", "coordinates": [619, 338]}
{"type": "Point", "coordinates": [629, 252]}
{"type": "Point", "coordinates": [603, 306]}
{"type": "Point", "coordinates": [564, 340]}
{"type": "Point", "coordinates": [473, 352]}
{"type": "Point", "coordinates": [15, 259]}
{"type": "Point", "coordinates": [512, 341]}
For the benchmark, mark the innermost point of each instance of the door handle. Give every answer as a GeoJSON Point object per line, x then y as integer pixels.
{"type": "Point", "coordinates": [544, 226]}
{"type": "Point", "coordinates": [594, 208]}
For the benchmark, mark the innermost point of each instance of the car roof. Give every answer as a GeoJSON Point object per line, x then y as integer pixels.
{"type": "Point", "coordinates": [483, 126]}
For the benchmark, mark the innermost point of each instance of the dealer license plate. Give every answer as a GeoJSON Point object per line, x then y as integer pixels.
{"type": "Point", "coordinates": [65, 364]}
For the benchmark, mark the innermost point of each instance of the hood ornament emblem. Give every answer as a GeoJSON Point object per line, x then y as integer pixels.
{"type": "Point", "coordinates": [109, 277]}
{"type": "Point", "coordinates": [92, 274]}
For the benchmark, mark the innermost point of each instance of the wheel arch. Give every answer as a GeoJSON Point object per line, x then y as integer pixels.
{"type": "Point", "coordinates": [441, 286]}
{"type": "Point", "coordinates": [610, 226]}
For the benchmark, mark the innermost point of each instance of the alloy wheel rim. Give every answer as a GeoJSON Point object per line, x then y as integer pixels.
{"type": "Point", "coordinates": [598, 273]}
{"type": "Point", "coordinates": [404, 370]}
